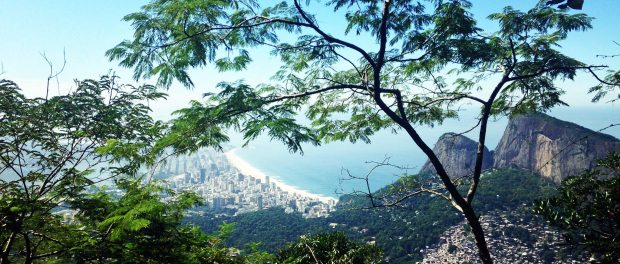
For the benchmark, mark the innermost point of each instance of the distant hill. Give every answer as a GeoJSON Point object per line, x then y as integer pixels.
{"type": "Point", "coordinates": [551, 147]}
{"type": "Point", "coordinates": [536, 142]}
{"type": "Point", "coordinates": [458, 154]}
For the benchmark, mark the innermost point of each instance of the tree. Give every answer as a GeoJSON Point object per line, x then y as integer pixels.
{"type": "Point", "coordinates": [145, 225]}
{"type": "Point", "coordinates": [51, 211]}
{"type": "Point", "coordinates": [328, 248]}
{"type": "Point", "coordinates": [352, 91]}
{"type": "Point", "coordinates": [48, 172]}
{"type": "Point", "coordinates": [586, 209]}
{"type": "Point", "coordinates": [47, 153]}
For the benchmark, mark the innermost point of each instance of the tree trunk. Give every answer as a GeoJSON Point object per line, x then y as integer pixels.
{"type": "Point", "coordinates": [29, 252]}
{"type": "Point", "coordinates": [4, 256]}
{"type": "Point", "coordinates": [476, 229]}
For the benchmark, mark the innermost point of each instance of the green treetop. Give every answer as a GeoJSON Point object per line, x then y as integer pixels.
{"type": "Point", "coordinates": [48, 150]}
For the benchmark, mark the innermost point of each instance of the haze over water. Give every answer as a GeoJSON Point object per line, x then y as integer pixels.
{"type": "Point", "coordinates": [320, 169]}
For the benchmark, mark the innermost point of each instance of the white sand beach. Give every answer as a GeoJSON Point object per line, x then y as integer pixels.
{"type": "Point", "coordinates": [247, 169]}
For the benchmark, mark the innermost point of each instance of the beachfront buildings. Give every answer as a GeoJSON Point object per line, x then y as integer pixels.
{"type": "Point", "coordinates": [227, 190]}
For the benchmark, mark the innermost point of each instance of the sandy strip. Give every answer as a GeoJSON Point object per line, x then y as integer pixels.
{"type": "Point", "coordinates": [247, 169]}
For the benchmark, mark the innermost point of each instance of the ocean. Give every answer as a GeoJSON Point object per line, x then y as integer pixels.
{"type": "Point", "coordinates": [325, 169]}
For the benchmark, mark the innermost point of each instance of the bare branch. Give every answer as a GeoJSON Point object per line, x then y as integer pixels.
{"type": "Point", "coordinates": [53, 74]}
{"type": "Point", "coordinates": [366, 178]}
{"type": "Point", "coordinates": [472, 128]}
{"type": "Point", "coordinates": [610, 56]}
{"type": "Point", "coordinates": [483, 133]}
{"type": "Point", "coordinates": [313, 255]}
{"type": "Point", "coordinates": [435, 191]}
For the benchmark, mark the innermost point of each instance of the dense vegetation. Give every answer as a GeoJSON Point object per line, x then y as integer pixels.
{"type": "Point", "coordinates": [48, 150]}
{"type": "Point", "coordinates": [272, 227]}
{"type": "Point", "coordinates": [400, 231]}
{"type": "Point", "coordinates": [332, 248]}
{"type": "Point", "coordinates": [587, 208]}
{"type": "Point", "coordinates": [54, 151]}
{"type": "Point", "coordinates": [425, 59]}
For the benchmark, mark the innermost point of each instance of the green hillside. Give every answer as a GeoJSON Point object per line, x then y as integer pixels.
{"type": "Point", "coordinates": [400, 231]}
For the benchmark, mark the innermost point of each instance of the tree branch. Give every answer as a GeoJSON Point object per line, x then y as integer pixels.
{"type": "Point", "coordinates": [601, 80]}
{"type": "Point", "coordinates": [383, 34]}
{"type": "Point", "coordinates": [545, 70]}
{"type": "Point", "coordinates": [483, 133]}
{"type": "Point", "coordinates": [331, 39]}
{"type": "Point", "coordinates": [267, 20]}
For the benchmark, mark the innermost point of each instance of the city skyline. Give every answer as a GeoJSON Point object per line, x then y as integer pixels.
{"type": "Point", "coordinates": [223, 187]}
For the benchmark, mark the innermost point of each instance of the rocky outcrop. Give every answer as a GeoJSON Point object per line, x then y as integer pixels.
{"type": "Point", "coordinates": [457, 153]}
{"type": "Point", "coordinates": [550, 147]}
{"type": "Point", "coordinates": [535, 142]}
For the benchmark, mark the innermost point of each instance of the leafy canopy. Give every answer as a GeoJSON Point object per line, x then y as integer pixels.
{"type": "Point", "coordinates": [48, 153]}
{"type": "Point", "coordinates": [348, 89]}
{"type": "Point", "coordinates": [145, 225]}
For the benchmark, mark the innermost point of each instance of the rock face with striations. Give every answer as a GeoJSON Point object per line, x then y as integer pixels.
{"type": "Point", "coordinates": [550, 147]}
{"type": "Point", "coordinates": [457, 153]}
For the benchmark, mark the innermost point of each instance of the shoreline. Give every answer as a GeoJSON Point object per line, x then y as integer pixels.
{"type": "Point", "coordinates": [247, 169]}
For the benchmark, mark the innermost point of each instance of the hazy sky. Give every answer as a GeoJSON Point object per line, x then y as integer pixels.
{"type": "Point", "coordinates": [86, 29]}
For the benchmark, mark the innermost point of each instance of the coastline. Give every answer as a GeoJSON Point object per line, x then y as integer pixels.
{"type": "Point", "coordinates": [247, 169]}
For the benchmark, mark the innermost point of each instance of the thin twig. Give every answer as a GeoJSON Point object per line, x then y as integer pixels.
{"type": "Point", "coordinates": [53, 74]}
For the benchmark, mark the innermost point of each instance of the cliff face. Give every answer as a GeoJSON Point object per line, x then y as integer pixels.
{"type": "Point", "coordinates": [550, 147]}
{"type": "Point", "coordinates": [458, 155]}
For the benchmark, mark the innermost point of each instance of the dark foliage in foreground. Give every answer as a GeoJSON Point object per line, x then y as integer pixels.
{"type": "Point", "coordinates": [587, 208]}
{"type": "Point", "coordinates": [328, 248]}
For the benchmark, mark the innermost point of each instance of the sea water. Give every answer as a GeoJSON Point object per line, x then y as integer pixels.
{"type": "Point", "coordinates": [336, 168]}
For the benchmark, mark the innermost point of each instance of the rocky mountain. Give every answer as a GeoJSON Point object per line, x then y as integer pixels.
{"type": "Point", "coordinates": [458, 154]}
{"type": "Point", "coordinates": [535, 142]}
{"type": "Point", "coordinates": [551, 147]}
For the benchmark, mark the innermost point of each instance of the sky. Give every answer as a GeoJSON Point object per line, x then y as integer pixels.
{"type": "Point", "coordinates": [84, 30]}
